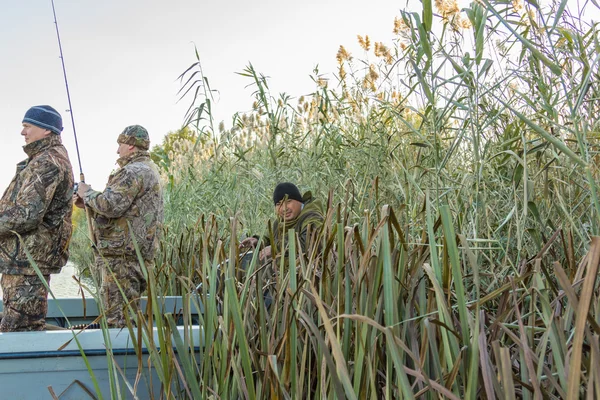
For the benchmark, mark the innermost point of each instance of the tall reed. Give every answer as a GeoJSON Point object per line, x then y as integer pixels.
{"type": "Point", "coordinates": [458, 258]}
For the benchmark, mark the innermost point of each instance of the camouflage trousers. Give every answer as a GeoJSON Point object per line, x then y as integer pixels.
{"type": "Point", "coordinates": [122, 283]}
{"type": "Point", "coordinates": [25, 303]}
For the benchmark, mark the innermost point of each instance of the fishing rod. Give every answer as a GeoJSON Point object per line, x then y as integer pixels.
{"type": "Point", "coordinates": [88, 216]}
{"type": "Point", "coordinates": [62, 60]}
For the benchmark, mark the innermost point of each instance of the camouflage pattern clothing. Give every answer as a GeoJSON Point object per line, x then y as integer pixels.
{"type": "Point", "coordinates": [135, 135]}
{"type": "Point", "coordinates": [37, 205]}
{"type": "Point", "coordinates": [132, 196]}
{"type": "Point", "coordinates": [25, 303]}
{"type": "Point", "coordinates": [130, 205]}
{"type": "Point", "coordinates": [120, 277]}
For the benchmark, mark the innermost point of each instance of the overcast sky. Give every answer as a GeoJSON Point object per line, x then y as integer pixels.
{"type": "Point", "coordinates": [123, 58]}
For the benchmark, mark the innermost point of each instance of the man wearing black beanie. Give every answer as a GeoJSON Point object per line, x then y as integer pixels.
{"type": "Point", "coordinates": [294, 211]}
{"type": "Point", "coordinates": [35, 216]}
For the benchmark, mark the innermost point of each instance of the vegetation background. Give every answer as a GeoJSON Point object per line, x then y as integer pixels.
{"type": "Point", "coordinates": [459, 164]}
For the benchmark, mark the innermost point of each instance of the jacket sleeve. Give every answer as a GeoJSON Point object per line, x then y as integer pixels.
{"type": "Point", "coordinates": [119, 194]}
{"type": "Point", "coordinates": [32, 200]}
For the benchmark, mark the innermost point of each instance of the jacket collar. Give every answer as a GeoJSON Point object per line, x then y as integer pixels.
{"type": "Point", "coordinates": [135, 156]}
{"type": "Point", "coordinates": [31, 149]}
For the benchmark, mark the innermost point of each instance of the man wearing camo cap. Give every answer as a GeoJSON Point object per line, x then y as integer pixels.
{"type": "Point", "coordinates": [131, 203]}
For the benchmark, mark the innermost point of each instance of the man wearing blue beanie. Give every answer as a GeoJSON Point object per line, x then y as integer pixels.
{"type": "Point", "coordinates": [44, 117]}
{"type": "Point", "coordinates": [35, 216]}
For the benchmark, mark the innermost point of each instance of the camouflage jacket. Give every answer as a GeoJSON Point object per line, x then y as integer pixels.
{"type": "Point", "coordinates": [37, 205]}
{"type": "Point", "coordinates": [132, 197]}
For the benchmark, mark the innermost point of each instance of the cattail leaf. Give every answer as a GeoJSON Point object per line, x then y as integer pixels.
{"type": "Point", "coordinates": [427, 14]}
{"type": "Point", "coordinates": [488, 376]}
{"type": "Point", "coordinates": [472, 386]}
{"type": "Point", "coordinates": [534, 210]}
{"type": "Point", "coordinates": [188, 373]}
{"type": "Point", "coordinates": [235, 309]}
{"type": "Point", "coordinates": [559, 144]}
{"type": "Point", "coordinates": [423, 37]}
{"type": "Point", "coordinates": [526, 43]}
{"type": "Point", "coordinates": [293, 340]}
{"type": "Point", "coordinates": [585, 85]}
{"type": "Point", "coordinates": [479, 30]}
{"type": "Point", "coordinates": [559, 13]}
{"type": "Point", "coordinates": [449, 342]}
{"type": "Point", "coordinates": [587, 293]}
{"type": "Point", "coordinates": [336, 351]}
{"type": "Point", "coordinates": [423, 82]}
{"type": "Point", "coordinates": [507, 218]}
{"type": "Point", "coordinates": [567, 34]}
{"type": "Point", "coordinates": [485, 68]}
{"type": "Point", "coordinates": [518, 174]}
{"type": "Point", "coordinates": [506, 374]}
{"type": "Point", "coordinates": [457, 273]}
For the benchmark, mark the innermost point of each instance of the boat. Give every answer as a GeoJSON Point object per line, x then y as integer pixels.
{"type": "Point", "coordinates": [50, 364]}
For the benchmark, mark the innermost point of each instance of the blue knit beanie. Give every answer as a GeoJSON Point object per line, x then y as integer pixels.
{"type": "Point", "coordinates": [44, 117]}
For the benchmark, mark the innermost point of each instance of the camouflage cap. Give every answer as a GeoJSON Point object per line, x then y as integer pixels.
{"type": "Point", "coordinates": [135, 135]}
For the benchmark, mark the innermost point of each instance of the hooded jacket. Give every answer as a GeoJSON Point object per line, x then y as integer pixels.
{"type": "Point", "coordinates": [37, 206]}
{"type": "Point", "coordinates": [132, 202]}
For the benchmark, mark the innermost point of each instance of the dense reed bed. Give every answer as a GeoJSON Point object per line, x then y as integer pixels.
{"type": "Point", "coordinates": [372, 316]}
{"type": "Point", "coordinates": [458, 259]}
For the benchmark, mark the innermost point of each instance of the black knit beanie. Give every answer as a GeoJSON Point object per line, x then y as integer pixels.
{"type": "Point", "coordinates": [286, 189]}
